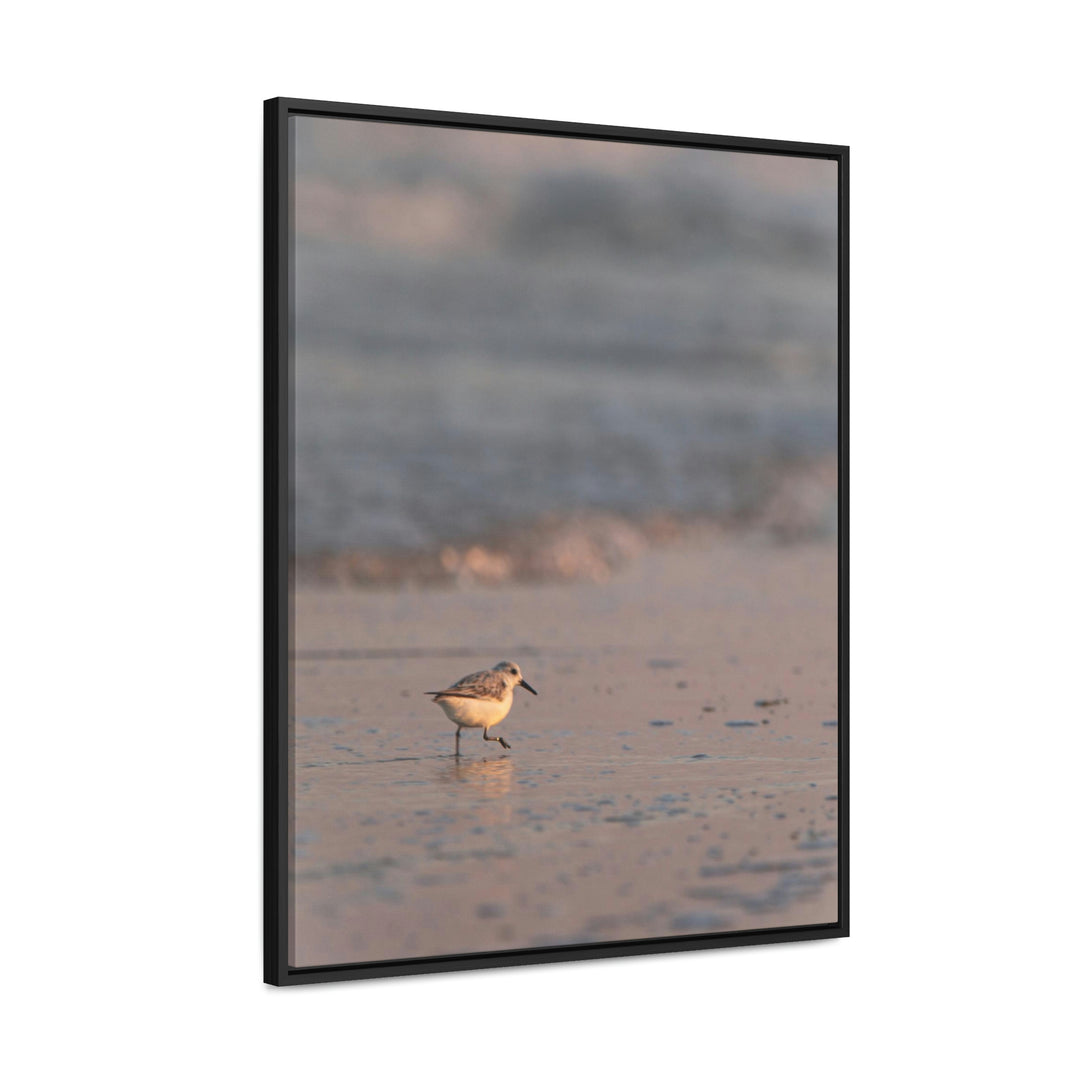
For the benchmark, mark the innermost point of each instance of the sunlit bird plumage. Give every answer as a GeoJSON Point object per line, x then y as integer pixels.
{"type": "Point", "coordinates": [481, 700]}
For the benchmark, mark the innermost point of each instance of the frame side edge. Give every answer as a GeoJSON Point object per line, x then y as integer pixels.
{"type": "Point", "coordinates": [274, 732]}
{"type": "Point", "coordinates": [844, 614]}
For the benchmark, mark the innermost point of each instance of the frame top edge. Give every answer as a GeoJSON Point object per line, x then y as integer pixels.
{"type": "Point", "coordinates": [286, 107]}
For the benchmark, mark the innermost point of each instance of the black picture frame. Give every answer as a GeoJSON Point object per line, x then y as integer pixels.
{"type": "Point", "coordinates": [277, 419]}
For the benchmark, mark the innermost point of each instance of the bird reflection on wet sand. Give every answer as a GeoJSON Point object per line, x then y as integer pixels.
{"type": "Point", "coordinates": [490, 779]}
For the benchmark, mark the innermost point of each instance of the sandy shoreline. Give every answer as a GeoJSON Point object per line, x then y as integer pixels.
{"type": "Point", "coordinates": [645, 793]}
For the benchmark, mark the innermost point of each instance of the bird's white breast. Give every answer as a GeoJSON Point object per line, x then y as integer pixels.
{"type": "Point", "coordinates": [477, 712]}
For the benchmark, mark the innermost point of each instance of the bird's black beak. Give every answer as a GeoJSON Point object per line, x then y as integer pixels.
{"type": "Point", "coordinates": [528, 687]}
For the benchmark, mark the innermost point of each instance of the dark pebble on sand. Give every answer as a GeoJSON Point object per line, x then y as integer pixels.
{"type": "Point", "coordinates": [741, 723]}
{"type": "Point", "coordinates": [717, 871]}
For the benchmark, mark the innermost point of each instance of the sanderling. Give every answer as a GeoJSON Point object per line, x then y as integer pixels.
{"type": "Point", "coordinates": [481, 699]}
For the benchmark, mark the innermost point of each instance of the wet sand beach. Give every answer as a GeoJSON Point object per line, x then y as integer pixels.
{"type": "Point", "coordinates": [676, 774]}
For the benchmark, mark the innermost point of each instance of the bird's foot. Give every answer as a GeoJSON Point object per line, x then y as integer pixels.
{"type": "Point", "coordinates": [505, 745]}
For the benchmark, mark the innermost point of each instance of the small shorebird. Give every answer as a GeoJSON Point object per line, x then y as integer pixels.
{"type": "Point", "coordinates": [481, 699]}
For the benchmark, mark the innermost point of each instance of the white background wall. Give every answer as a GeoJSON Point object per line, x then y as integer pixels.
{"type": "Point", "coordinates": [131, 545]}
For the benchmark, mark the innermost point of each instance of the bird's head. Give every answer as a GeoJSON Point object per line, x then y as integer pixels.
{"type": "Point", "coordinates": [513, 673]}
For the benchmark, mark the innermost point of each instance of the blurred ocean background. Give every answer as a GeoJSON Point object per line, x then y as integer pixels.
{"type": "Point", "coordinates": [502, 335]}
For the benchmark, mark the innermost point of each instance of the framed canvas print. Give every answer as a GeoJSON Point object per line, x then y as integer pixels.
{"type": "Point", "coordinates": [555, 541]}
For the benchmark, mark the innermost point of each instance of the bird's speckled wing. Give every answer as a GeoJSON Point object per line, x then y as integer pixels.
{"type": "Point", "coordinates": [480, 684]}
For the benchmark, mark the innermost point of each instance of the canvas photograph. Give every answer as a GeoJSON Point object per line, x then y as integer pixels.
{"type": "Point", "coordinates": [561, 543]}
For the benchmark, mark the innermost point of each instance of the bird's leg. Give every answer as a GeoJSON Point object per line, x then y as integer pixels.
{"type": "Point", "coordinates": [495, 738]}
{"type": "Point", "coordinates": [457, 743]}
